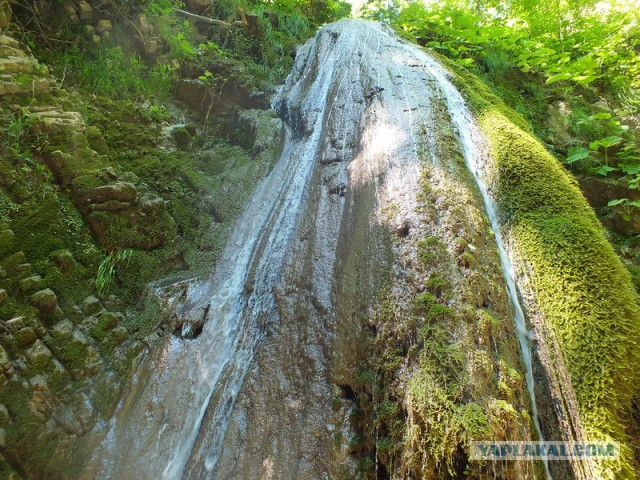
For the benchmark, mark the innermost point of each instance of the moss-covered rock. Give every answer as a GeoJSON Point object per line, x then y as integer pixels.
{"type": "Point", "coordinates": [96, 140]}
{"type": "Point", "coordinates": [582, 296]}
{"type": "Point", "coordinates": [45, 300]}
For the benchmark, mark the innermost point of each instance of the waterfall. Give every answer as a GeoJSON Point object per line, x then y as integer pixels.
{"type": "Point", "coordinates": [354, 110]}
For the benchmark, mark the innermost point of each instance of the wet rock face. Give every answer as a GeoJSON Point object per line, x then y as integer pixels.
{"type": "Point", "coordinates": [303, 369]}
{"type": "Point", "coordinates": [389, 204]}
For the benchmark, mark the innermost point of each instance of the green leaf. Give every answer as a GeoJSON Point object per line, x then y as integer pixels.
{"type": "Point", "coordinates": [604, 170]}
{"type": "Point", "coordinates": [585, 79]}
{"type": "Point", "coordinates": [559, 77]}
{"type": "Point", "coordinates": [617, 201]}
{"type": "Point", "coordinates": [600, 116]}
{"type": "Point", "coordinates": [577, 153]}
{"type": "Point", "coordinates": [634, 204]}
{"type": "Point", "coordinates": [543, 52]}
{"type": "Point", "coordinates": [605, 142]}
{"type": "Point", "coordinates": [630, 168]}
{"type": "Point", "coordinates": [466, 61]}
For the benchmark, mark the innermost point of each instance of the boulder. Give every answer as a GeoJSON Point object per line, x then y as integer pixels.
{"type": "Point", "coordinates": [45, 300]}
{"type": "Point", "coordinates": [64, 260]}
{"type": "Point", "coordinates": [129, 177]}
{"type": "Point", "coordinates": [119, 335]}
{"type": "Point", "coordinates": [40, 403]}
{"type": "Point", "coordinates": [80, 339]}
{"type": "Point", "coordinates": [91, 305]}
{"type": "Point", "coordinates": [103, 26]}
{"type": "Point", "coordinates": [85, 12]}
{"type": "Point", "coordinates": [198, 6]}
{"type": "Point", "coordinates": [84, 410]}
{"type": "Point", "coordinates": [13, 260]}
{"type": "Point", "coordinates": [144, 225]}
{"type": "Point", "coordinates": [118, 191]}
{"type": "Point", "coordinates": [92, 362]}
{"type": "Point", "coordinates": [5, 362]}
{"type": "Point", "coordinates": [30, 283]}
{"type": "Point", "coordinates": [18, 65]}
{"type": "Point", "coordinates": [96, 140]}
{"type": "Point", "coordinates": [24, 336]}
{"type": "Point", "coordinates": [110, 206]}
{"type": "Point", "coordinates": [56, 122]}
{"type": "Point", "coordinates": [65, 418]}
{"type": "Point", "coordinates": [21, 270]}
{"type": "Point", "coordinates": [4, 415]}
{"type": "Point", "coordinates": [108, 321]}
{"type": "Point", "coordinates": [62, 330]}
{"type": "Point", "coordinates": [15, 324]}
{"type": "Point", "coordinates": [39, 354]}
{"type": "Point", "coordinates": [6, 240]}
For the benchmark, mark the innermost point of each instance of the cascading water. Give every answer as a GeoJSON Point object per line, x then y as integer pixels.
{"type": "Point", "coordinates": [371, 89]}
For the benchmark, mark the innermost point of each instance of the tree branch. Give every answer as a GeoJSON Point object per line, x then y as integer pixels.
{"type": "Point", "coordinates": [211, 21]}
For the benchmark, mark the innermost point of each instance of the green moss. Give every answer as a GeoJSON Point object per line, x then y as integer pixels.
{"type": "Point", "coordinates": [429, 249]}
{"type": "Point", "coordinates": [433, 432]}
{"type": "Point", "coordinates": [580, 286]}
{"type": "Point", "coordinates": [71, 353]}
{"type": "Point", "coordinates": [96, 140]}
{"type": "Point", "coordinates": [86, 182]}
{"type": "Point", "coordinates": [439, 312]}
{"type": "Point", "coordinates": [473, 421]}
{"type": "Point", "coordinates": [422, 303]}
{"type": "Point", "coordinates": [460, 244]}
{"type": "Point", "coordinates": [436, 282]}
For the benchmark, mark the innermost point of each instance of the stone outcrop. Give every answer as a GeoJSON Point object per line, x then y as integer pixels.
{"type": "Point", "coordinates": [61, 369]}
{"type": "Point", "coordinates": [66, 348]}
{"type": "Point", "coordinates": [118, 214]}
{"type": "Point", "coordinates": [20, 73]}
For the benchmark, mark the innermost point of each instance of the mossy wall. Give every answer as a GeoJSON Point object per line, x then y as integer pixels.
{"type": "Point", "coordinates": [579, 287]}
{"type": "Point", "coordinates": [437, 361]}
